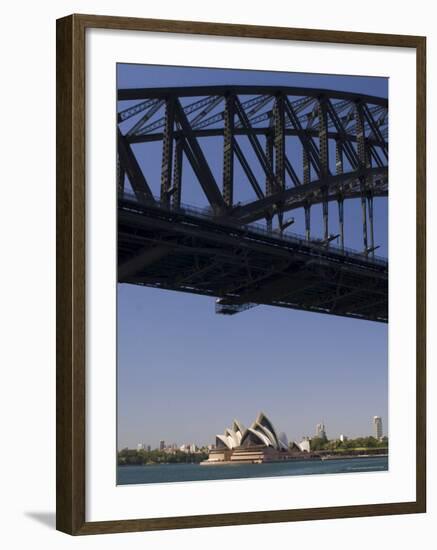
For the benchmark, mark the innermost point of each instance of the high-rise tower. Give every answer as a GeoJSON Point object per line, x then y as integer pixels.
{"type": "Point", "coordinates": [377, 427]}
{"type": "Point", "coordinates": [321, 431]}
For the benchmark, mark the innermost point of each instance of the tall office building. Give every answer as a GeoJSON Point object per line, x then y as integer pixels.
{"type": "Point", "coordinates": [377, 427]}
{"type": "Point", "coordinates": [161, 445]}
{"type": "Point", "coordinates": [321, 431]}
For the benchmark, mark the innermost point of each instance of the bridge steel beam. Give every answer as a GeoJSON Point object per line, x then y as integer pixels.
{"type": "Point", "coordinates": [375, 129]}
{"type": "Point", "coordinates": [176, 188]}
{"type": "Point", "coordinates": [291, 172]}
{"type": "Point", "coordinates": [268, 182]}
{"type": "Point", "coordinates": [254, 141]}
{"type": "Point", "coordinates": [270, 188]}
{"type": "Point", "coordinates": [372, 233]}
{"type": "Point", "coordinates": [255, 210]}
{"type": "Point", "coordinates": [129, 94]}
{"type": "Point", "coordinates": [340, 201]}
{"type": "Point", "coordinates": [154, 108]}
{"type": "Point", "coordinates": [130, 165]}
{"type": "Point", "coordinates": [306, 139]}
{"type": "Point", "coordinates": [257, 131]}
{"type": "Point", "coordinates": [247, 169]}
{"type": "Point", "coordinates": [121, 173]}
{"type": "Point", "coordinates": [279, 140]}
{"type": "Point", "coordinates": [198, 162]}
{"type": "Point", "coordinates": [134, 110]}
{"type": "Point", "coordinates": [324, 162]}
{"type": "Point", "coordinates": [228, 151]}
{"type": "Point", "coordinates": [167, 152]}
{"type": "Point", "coordinates": [363, 158]}
{"type": "Point", "coordinates": [343, 136]}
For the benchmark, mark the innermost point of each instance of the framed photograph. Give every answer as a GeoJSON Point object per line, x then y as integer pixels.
{"type": "Point", "coordinates": [232, 347]}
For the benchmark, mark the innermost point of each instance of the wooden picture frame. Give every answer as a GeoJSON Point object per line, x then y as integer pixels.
{"type": "Point", "coordinates": [71, 252]}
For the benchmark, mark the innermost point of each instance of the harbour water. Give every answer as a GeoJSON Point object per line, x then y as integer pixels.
{"type": "Point", "coordinates": [167, 473]}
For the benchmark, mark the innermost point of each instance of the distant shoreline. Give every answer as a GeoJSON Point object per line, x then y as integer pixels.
{"type": "Point", "coordinates": [344, 457]}
{"type": "Point", "coordinates": [314, 458]}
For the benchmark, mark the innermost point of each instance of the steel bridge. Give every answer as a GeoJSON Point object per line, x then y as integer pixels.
{"type": "Point", "coordinates": [295, 148]}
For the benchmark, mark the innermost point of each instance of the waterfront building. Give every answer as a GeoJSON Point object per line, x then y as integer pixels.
{"type": "Point", "coordinates": [305, 444]}
{"type": "Point", "coordinates": [161, 445]}
{"type": "Point", "coordinates": [321, 431]}
{"type": "Point", "coordinates": [377, 427]}
{"type": "Point", "coordinates": [342, 438]}
{"type": "Point", "coordinates": [258, 443]}
{"type": "Point", "coordinates": [141, 447]}
{"type": "Point", "coordinates": [232, 436]}
{"type": "Point", "coordinates": [149, 448]}
{"type": "Point", "coordinates": [283, 437]}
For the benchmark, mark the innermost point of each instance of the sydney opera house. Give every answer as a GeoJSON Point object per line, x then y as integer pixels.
{"type": "Point", "coordinates": [257, 444]}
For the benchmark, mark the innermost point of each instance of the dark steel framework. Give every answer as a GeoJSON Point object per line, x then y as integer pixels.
{"type": "Point", "coordinates": [311, 146]}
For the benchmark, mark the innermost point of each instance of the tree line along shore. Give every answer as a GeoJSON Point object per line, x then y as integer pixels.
{"type": "Point", "coordinates": [320, 448]}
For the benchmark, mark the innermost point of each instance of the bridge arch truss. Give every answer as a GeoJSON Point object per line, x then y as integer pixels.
{"type": "Point", "coordinates": [310, 146]}
{"type": "Point", "coordinates": [342, 142]}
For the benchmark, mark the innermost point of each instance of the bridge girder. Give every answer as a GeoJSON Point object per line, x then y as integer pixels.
{"type": "Point", "coordinates": [303, 147]}
{"type": "Point", "coordinates": [240, 266]}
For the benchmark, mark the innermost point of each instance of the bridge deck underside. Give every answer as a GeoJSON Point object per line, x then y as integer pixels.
{"type": "Point", "coordinates": [175, 251]}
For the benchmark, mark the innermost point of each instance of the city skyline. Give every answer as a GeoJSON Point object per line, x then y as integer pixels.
{"type": "Point", "coordinates": [377, 432]}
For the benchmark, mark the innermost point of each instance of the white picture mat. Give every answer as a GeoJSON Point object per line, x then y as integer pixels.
{"type": "Point", "coordinates": [105, 500]}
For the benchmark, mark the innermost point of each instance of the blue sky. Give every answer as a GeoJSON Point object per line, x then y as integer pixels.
{"type": "Point", "coordinates": [184, 372]}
